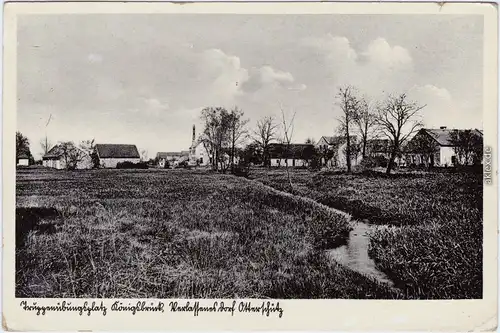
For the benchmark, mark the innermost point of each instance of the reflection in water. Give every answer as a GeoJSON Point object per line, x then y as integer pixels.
{"type": "Point", "coordinates": [354, 255]}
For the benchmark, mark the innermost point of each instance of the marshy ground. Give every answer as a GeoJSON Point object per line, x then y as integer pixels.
{"type": "Point", "coordinates": [197, 234]}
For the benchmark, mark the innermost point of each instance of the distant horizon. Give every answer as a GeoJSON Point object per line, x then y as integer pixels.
{"type": "Point", "coordinates": [115, 79]}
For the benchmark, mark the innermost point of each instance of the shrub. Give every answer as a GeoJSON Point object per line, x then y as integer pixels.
{"type": "Point", "coordinates": [374, 161]}
{"type": "Point", "coordinates": [132, 165]}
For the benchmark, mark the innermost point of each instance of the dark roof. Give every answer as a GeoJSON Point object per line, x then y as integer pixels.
{"type": "Point", "coordinates": [443, 135]}
{"type": "Point", "coordinates": [56, 152]}
{"type": "Point", "coordinates": [296, 150]}
{"type": "Point", "coordinates": [117, 151]}
{"type": "Point", "coordinates": [23, 155]}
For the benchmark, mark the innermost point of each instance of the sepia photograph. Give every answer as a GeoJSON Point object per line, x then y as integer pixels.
{"type": "Point", "coordinates": [262, 156]}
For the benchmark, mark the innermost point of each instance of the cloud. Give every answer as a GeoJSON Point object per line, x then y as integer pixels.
{"type": "Point", "coordinates": [437, 101]}
{"type": "Point", "coordinates": [269, 78]}
{"type": "Point", "coordinates": [376, 69]}
{"type": "Point", "coordinates": [386, 56]}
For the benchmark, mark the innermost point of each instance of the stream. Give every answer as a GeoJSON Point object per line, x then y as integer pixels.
{"type": "Point", "coordinates": [354, 255]}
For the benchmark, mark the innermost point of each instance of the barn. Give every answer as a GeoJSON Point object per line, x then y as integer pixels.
{"type": "Point", "coordinates": [63, 156]}
{"type": "Point", "coordinates": [111, 154]}
{"type": "Point", "coordinates": [293, 155]}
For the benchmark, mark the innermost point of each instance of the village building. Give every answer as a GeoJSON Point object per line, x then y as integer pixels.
{"type": "Point", "coordinates": [63, 156]}
{"type": "Point", "coordinates": [23, 159]}
{"type": "Point", "coordinates": [293, 155]}
{"type": "Point", "coordinates": [198, 154]}
{"type": "Point", "coordinates": [111, 154]}
{"type": "Point", "coordinates": [440, 147]}
{"type": "Point", "coordinates": [171, 157]}
{"type": "Point", "coordinates": [333, 151]}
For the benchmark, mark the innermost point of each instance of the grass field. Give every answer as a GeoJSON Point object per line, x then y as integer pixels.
{"type": "Point", "coordinates": [175, 233]}
{"type": "Point", "coordinates": [429, 239]}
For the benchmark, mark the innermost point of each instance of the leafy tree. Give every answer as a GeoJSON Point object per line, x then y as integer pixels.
{"type": "Point", "coordinates": [398, 119]}
{"type": "Point", "coordinates": [216, 135]}
{"type": "Point", "coordinates": [425, 146]}
{"type": "Point", "coordinates": [22, 146]}
{"type": "Point", "coordinates": [468, 146]}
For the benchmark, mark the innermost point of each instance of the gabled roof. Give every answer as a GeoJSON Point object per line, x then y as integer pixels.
{"type": "Point", "coordinates": [57, 151]}
{"type": "Point", "coordinates": [443, 135]}
{"type": "Point", "coordinates": [23, 155]}
{"type": "Point", "coordinates": [117, 151]}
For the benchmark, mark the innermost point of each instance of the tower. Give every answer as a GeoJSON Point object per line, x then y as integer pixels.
{"type": "Point", "coordinates": [194, 133]}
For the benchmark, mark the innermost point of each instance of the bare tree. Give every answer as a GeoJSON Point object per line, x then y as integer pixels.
{"type": "Point", "coordinates": [89, 147]}
{"type": "Point", "coordinates": [287, 140]}
{"type": "Point", "coordinates": [398, 119]}
{"type": "Point", "coordinates": [144, 155]}
{"type": "Point", "coordinates": [72, 155]}
{"type": "Point", "coordinates": [350, 104]}
{"type": "Point", "coordinates": [264, 135]}
{"type": "Point", "coordinates": [237, 131]}
{"type": "Point", "coordinates": [365, 120]}
{"type": "Point", "coordinates": [46, 145]}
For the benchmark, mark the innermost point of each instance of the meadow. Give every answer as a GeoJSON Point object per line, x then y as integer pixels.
{"type": "Point", "coordinates": [427, 227]}
{"type": "Point", "coordinates": [176, 233]}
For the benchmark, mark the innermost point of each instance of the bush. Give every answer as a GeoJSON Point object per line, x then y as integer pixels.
{"type": "Point", "coordinates": [374, 161]}
{"type": "Point", "coordinates": [132, 165]}
{"type": "Point", "coordinates": [241, 171]}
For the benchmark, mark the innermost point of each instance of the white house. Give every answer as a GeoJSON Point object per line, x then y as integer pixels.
{"type": "Point", "coordinates": [112, 154]}
{"type": "Point", "coordinates": [441, 143]}
{"type": "Point", "coordinates": [23, 159]}
{"type": "Point", "coordinates": [333, 151]}
{"type": "Point", "coordinates": [63, 156]}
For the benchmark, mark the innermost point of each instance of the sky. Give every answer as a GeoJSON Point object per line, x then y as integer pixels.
{"type": "Point", "coordinates": [144, 78]}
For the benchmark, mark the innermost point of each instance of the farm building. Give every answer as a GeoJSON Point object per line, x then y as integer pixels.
{"type": "Point", "coordinates": [67, 156]}
{"type": "Point", "coordinates": [333, 151]}
{"type": "Point", "coordinates": [294, 155]}
{"type": "Point", "coordinates": [171, 157]}
{"type": "Point", "coordinates": [111, 154]}
{"type": "Point", "coordinates": [23, 159]}
{"type": "Point", "coordinates": [436, 147]}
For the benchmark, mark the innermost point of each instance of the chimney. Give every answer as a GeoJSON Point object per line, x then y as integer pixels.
{"type": "Point", "coordinates": [443, 127]}
{"type": "Point", "coordinates": [194, 133]}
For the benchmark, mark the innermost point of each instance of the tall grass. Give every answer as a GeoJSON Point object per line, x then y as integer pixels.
{"type": "Point", "coordinates": [167, 233]}
{"type": "Point", "coordinates": [430, 237]}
